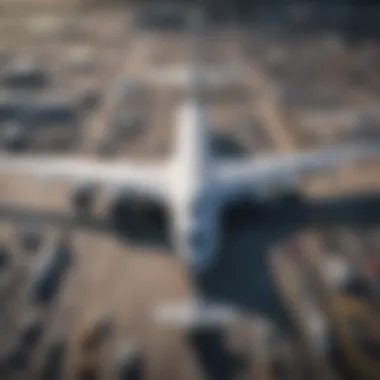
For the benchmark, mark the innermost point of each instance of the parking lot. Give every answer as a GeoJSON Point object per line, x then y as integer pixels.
{"type": "Point", "coordinates": [295, 93]}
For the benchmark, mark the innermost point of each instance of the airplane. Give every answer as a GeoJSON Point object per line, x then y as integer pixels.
{"type": "Point", "coordinates": [192, 183]}
{"type": "Point", "coordinates": [48, 275]}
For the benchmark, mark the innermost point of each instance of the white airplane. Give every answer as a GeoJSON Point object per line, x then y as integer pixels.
{"type": "Point", "coordinates": [192, 183]}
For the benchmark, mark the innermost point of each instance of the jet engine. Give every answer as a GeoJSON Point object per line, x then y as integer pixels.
{"type": "Point", "coordinates": [83, 198]}
{"type": "Point", "coordinates": [125, 208]}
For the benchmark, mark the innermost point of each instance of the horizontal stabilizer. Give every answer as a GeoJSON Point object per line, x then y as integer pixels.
{"type": "Point", "coordinates": [195, 313]}
{"type": "Point", "coordinates": [182, 76]}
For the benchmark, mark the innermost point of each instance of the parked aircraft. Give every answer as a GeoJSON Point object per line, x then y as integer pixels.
{"type": "Point", "coordinates": [192, 183]}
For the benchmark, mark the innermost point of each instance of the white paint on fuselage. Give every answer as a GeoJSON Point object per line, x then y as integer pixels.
{"type": "Point", "coordinates": [194, 197]}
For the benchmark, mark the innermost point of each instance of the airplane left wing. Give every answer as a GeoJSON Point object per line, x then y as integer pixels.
{"type": "Point", "coordinates": [148, 179]}
{"type": "Point", "coordinates": [275, 173]}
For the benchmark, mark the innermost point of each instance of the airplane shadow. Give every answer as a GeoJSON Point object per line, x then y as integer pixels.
{"type": "Point", "coordinates": [241, 274]}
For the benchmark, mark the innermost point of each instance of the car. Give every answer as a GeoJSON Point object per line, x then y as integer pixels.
{"type": "Point", "coordinates": [32, 333]}
{"type": "Point", "coordinates": [131, 363]}
{"type": "Point", "coordinates": [14, 137]}
{"type": "Point", "coordinates": [30, 237]}
{"type": "Point", "coordinates": [5, 257]}
{"type": "Point", "coordinates": [45, 111]}
{"type": "Point", "coordinates": [25, 74]}
{"type": "Point", "coordinates": [48, 276]}
{"type": "Point", "coordinates": [53, 366]}
{"type": "Point", "coordinates": [161, 17]}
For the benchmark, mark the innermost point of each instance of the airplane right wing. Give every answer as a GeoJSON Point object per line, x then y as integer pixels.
{"type": "Point", "coordinates": [147, 179]}
{"type": "Point", "coordinates": [276, 173]}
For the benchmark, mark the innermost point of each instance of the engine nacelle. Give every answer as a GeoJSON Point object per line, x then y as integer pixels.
{"type": "Point", "coordinates": [126, 208]}
{"type": "Point", "coordinates": [83, 198]}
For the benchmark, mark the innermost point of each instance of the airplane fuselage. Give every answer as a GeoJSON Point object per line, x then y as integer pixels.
{"type": "Point", "coordinates": [195, 201]}
{"type": "Point", "coordinates": [197, 193]}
